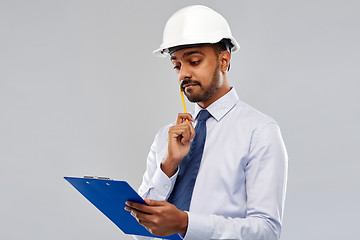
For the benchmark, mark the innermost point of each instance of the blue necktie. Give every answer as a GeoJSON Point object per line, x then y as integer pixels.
{"type": "Point", "coordinates": [189, 166]}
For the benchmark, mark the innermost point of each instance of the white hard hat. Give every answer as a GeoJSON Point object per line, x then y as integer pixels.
{"type": "Point", "coordinates": [194, 25]}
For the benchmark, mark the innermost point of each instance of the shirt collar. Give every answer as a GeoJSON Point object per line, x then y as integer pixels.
{"type": "Point", "coordinates": [220, 107]}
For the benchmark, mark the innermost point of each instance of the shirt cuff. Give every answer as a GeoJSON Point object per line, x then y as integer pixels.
{"type": "Point", "coordinates": [162, 184]}
{"type": "Point", "coordinates": [200, 227]}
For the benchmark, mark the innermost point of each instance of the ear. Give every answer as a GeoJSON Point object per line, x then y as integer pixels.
{"type": "Point", "coordinates": [224, 59]}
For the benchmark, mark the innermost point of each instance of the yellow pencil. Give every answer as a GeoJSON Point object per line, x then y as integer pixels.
{"type": "Point", "coordinates": [183, 101]}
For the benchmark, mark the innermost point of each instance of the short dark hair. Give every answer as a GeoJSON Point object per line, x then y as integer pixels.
{"type": "Point", "coordinates": [224, 45]}
{"type": "Point", "coordinates": [218, 47]}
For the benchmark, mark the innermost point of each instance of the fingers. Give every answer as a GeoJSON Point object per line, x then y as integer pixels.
{"type": "Point", "coordinates": [188, 134]}
{"type": "Point", "coordinates": [159, 217]}
{"type": "Point", "coordinates": [138, 210]}
{"type": "Point", "coordinates": [143, 213]}
{"type": "Point", "coordinates": [138, 206]}
{"type": "Point", "coordinates": [184, 132]}
{"type": "Point", "coordinates": [183, 116]}
{"type": "Point", "coordinates": [146, 220]}
{"type": "Point", "coordinates": [187, 130]}
{"type": "Point", "coordinates": [141, 217]}
{"type": "Point", "coordinates": [144, 208]}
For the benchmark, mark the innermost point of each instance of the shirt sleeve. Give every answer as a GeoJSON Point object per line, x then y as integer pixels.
{"type": "Point", "coordinates": [266, 177]}
{"type": "Point", "coordinates": [156, 184]}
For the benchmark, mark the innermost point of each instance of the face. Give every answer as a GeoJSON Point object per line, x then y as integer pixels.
{"type": "Point", "coordinates": [199, 74]}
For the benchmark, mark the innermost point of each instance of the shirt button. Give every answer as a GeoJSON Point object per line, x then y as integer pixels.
{"type": "Point", "coordinates": [166, 186]}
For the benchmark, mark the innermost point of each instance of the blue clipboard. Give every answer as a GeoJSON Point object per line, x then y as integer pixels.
{"type": "Point", "coordinates": [109, 196]}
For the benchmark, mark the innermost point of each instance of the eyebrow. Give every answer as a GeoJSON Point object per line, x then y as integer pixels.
{"type": "Point", "coordinates": [188, 54]}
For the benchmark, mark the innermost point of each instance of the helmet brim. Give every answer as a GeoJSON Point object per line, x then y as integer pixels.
{"type": "Point", "coordinates": [164, 51]}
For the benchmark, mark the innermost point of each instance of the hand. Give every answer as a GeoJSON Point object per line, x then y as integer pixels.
{"type": "Point", "coordinates": [159, 217]}
{"type": "Point", "coordinates": [179, 140]}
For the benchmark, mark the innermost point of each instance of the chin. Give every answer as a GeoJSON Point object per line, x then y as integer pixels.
{"type": "Point", "coordinates": [195, 99]}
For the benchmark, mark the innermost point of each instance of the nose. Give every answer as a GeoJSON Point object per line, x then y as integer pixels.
{"type": "Point", "coordinates": [185, 72]}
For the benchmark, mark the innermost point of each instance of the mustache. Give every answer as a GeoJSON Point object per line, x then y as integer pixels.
{"type": "Point", "coordinates": [188, 81]}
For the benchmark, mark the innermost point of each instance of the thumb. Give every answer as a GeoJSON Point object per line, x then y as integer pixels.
{"type": "Point", "coordinates": [151, 202]}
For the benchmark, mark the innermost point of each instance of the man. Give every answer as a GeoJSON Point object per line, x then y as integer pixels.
{"type": "Point", "coordinates": [225, 178]}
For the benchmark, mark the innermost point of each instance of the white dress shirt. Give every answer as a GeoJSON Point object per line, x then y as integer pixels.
{"type": "Point", "coordinates": [240, 188]}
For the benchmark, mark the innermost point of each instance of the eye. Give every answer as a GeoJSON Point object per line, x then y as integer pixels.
{"type": "Point", "coordinates": [194, 63]}
{"type": "Point", "coordinates": [177, 65]}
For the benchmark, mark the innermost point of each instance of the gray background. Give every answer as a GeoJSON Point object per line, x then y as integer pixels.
{"type": "Point", "coordinates": [82, 94]}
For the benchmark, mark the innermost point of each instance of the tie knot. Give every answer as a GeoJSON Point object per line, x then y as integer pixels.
{"type": "Point", "coordinates": [203, 115]}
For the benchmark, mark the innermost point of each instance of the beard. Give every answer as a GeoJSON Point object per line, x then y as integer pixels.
{"type": "Point", "coordinates": [205, 93]}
